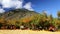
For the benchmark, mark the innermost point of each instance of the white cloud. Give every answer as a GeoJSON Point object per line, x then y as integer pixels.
{"type": "Point", "coordinates": [19, 4]}
{"type": "Point", "coordinates": [16, 4]}
{"type": "Point", "coordinates": [0, 1]}
{"type": "Point", "coordinates": [2, 10]}
{"type": "Point", "coordinates": [12, 3]}
{"type": "Point", "coordinates": [28, 6]}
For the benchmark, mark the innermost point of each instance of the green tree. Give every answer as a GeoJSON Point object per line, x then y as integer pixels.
{"type": "Point", "coordinates": [58, 14]}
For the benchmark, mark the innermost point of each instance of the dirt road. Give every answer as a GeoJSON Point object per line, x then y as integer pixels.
{"type": "Point", "coordinates": [26, 32]}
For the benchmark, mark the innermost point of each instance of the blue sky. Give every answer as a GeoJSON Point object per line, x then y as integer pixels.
{"type": "Point", "coordinates": [51, 6]}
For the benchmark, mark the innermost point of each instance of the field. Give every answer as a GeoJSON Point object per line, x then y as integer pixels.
{"type": "Point", "coordinates": [26, 32]}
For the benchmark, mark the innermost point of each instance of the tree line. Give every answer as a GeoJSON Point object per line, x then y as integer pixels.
{"type": "Point", "coordinates": [35, 22]}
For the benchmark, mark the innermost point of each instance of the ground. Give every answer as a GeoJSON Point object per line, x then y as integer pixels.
{"type": "Point", "coordinates": [26, 32]}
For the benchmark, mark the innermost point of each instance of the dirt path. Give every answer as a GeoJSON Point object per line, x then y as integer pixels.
{"type": "Point", "coordinates": [26, 32]}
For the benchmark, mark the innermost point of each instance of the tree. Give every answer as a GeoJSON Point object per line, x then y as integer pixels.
{"type": "Point", "coordinates": [58, 14]}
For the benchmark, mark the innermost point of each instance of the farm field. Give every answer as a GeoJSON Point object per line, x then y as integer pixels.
{"type": "Point", "coordinates": [26, 32]}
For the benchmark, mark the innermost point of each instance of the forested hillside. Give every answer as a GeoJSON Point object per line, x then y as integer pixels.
{"type": "Point", "coordinates": [29, 19]}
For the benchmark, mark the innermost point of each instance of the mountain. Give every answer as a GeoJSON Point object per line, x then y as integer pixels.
{"type": "Point", "coordinates": [17, 14]}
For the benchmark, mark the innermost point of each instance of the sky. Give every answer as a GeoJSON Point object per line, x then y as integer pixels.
{"type": "Point", "coordinates": [50, 6]}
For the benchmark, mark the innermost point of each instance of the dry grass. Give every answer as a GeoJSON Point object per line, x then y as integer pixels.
{"type": "Point", "coordinates": [26, 32]}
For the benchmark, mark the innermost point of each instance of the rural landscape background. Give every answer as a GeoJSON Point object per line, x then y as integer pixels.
{"type": "Point", "coordinates": [29, 16]}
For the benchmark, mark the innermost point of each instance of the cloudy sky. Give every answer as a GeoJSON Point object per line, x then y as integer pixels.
{"type": "Point", "coordinates": [6, 5]}
{"type": "Point", "coordinates": [51, 6]}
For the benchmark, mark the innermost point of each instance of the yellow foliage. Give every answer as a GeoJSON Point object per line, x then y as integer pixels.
{"type": "Point", "coordinates": [2, 20]}
{"type": "Point", "coordinates": [27, 19]}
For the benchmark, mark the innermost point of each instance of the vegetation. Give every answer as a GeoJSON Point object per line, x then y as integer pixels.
{"type": "Point", "coordinates": [29, 19]}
